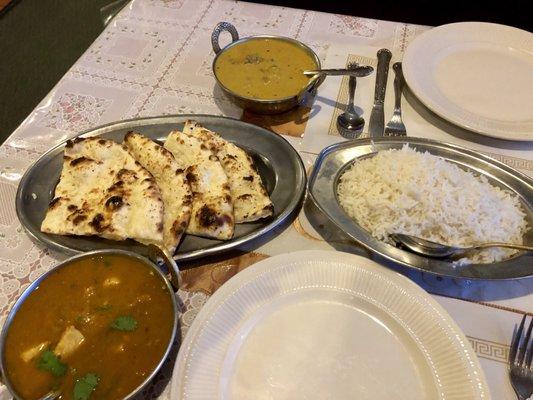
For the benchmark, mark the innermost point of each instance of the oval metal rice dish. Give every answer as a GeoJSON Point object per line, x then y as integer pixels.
{"type": "Point", "coordinates": [278, 164]}
{"type": "Point", "coordinates": [333, 160]}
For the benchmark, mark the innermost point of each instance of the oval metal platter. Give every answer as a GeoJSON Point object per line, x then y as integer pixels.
{"type": "Point", "coordinates": [278, 164]}
{"type": "Point", "coordinates": [333, 160]}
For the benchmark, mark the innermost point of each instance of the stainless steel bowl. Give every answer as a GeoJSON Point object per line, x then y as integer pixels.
{"type": "Point", "coordinates": [260, 106]}
{"type": "Point", "coordinates": [90, 254]}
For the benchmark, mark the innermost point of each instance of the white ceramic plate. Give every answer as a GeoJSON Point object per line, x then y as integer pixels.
{"type": "Point", "coordinates": [324, 325]}
{"type": "Point", "coordinates": [476, 75]}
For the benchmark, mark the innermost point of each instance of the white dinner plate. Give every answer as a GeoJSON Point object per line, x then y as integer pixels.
{"type": "Point", "coordinates": [324, 325]}
{"type": "Point", "coordinates": [476, 75]}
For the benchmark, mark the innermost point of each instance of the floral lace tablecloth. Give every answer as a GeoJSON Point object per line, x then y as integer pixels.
{"type": "Point", "coordinates": [155, 58]}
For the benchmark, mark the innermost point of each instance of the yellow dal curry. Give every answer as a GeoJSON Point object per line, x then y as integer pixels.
{"type": "Point", "coordinates": [266, 69]}
{"type": "Point", "coordinates": [94, 329]}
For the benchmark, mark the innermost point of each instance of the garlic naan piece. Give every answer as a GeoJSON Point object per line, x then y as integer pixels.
{"type": "Point", "coordinates": [103, 191]}
{"type": "Point", "coordinates": [170, 178]}
{"type": "Point", "coordinates": [250, 199]}
{"type": "Point", "coordinates": [212, 206]}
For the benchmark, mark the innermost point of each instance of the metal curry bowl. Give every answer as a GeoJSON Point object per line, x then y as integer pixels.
{"type": "Point", "coordinates": [261, 106]}
{"type": "Point", "coordinates": [35, 285]}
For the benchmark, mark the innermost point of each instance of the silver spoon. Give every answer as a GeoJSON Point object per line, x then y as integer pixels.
{"type": "Point", "coordinates": [350, 123]}
{"type": "Point", "coordinates": [356, 70]}
{"type": "Point", "coordinates": [319, 75]}
{"type": "Point", "coordinates": [437, 250]}
{"type": "Point", "coordinates": [51, 395]}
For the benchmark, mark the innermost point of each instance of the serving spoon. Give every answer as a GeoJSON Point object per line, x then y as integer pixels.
{"type": "Point", "coordinates": [318, 76]}
{"type": "Point", "coordinates": [437, 250]}
{"type": "Point", "coordinates": [359, 71]}
{"type": "Point", "coordinates": [51, 395]}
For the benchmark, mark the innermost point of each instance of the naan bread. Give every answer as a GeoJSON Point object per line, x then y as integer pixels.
{"type": "Point", "coordinates": [103, 191]}
{"type": "Point", "coordinates": [212, 206]}
{"type": "Point", "coordinates": [250, 199]}
{"type": "Point", "coordinates": [170, 178]}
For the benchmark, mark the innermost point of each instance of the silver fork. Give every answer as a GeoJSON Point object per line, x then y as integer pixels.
{"type": "Point", "coordinates": [395, 127]}
{"type": "Point", "coordinates": [520, 355]}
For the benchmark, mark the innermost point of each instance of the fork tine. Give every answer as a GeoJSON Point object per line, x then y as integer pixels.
{"type": "Point", "coordinates": [529, 352]}
{"type": "Point", "coordinates": [525, 342]}
{"type": "Point", "coordinates": [516, 341]}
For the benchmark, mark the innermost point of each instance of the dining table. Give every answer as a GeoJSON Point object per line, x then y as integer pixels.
{"type": "Point", "coordinates": [155, 58]}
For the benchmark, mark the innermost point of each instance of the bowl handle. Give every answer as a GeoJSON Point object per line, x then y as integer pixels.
{"type": "Point", "coordinates": [161, 256]}
{"type": "Point", "coordinates": [221, 27]}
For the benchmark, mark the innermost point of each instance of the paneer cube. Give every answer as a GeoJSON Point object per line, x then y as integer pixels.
{"type": "Point", "coordinates": [34, 351]}
{"type": "Point", "coordinates": [70, 340]}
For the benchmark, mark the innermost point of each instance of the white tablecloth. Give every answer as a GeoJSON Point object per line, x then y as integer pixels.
{"type": "Point", "coordinates": [155, 58]}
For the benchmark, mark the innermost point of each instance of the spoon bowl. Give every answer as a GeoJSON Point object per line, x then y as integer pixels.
{"type": "Point", "coordinates": [438, 250]}
{"type": "Point", "coordinates": [350, 123]}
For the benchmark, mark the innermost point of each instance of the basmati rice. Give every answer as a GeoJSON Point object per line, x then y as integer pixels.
{"type": "Point", "coordinates": [405, 191]}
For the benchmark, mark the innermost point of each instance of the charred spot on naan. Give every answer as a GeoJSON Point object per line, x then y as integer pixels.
{"type": "Point", "coordinates": [269, 208]}
{"type": "Point", "coordinates": [191, 175]}
{"type": "Point", "coordinates": [187, 200]}
{"type": "Point", "coordinates": [178, 228]}
{"type": "Point", "coordinates": [164, 152]}
{"type": "Point", "coordinates": [228, 161]}
{"type": "Point", "coordinates": [97, 223]}
{"type": "Point", "coordinates": [129, 134]}
{"type": "Point", "coordinates": [81, 160]}
{"type": "Point", "coordinates": [116, 185]}
{"type": "Point", "coordinates": [54, 203]}
{"type": "Point", "coordinates": [209, 218]}
{"type": "Point", "coordinates": [114, 203]}
{"type": "Point", "coordinates": [72, 142]}
{"type": "Point", "coordinates": [78, 219]}
{"type": "Point", "coordinates": [77, 216]}
{"type": "Point", "coordinates": [126, 175]}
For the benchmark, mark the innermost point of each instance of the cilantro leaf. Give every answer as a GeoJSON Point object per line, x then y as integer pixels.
{"type": "Point", "coordinates": [51, 363]}
{"type": "Point", "coordinates": [85, 386]}
{"type": "Point", "coordinates": [124, 323]}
